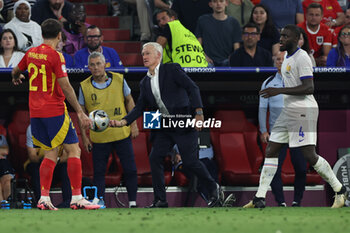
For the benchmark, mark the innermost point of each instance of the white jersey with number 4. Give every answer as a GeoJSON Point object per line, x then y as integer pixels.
{"type": "Point", "coordinates": [295, 68]}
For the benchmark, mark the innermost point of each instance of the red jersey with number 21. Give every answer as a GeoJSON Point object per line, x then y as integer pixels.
{"type": "Point", "coordinates": [45, 65]}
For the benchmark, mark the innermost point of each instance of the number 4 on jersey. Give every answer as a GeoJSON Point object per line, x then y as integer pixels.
{"type": "Point", "coordinates": [301, 133]}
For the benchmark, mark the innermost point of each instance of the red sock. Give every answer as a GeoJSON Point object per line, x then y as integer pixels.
{"type": "Point", "coordinates": [74, 174]}
{"type": "Point", "coordinates": [46, 172]}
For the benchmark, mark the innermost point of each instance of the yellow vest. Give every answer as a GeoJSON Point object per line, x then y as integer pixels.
{"type": "Point", "coordinates": [109, 99]}
{"type": "Point", "coordinates": [187, 51]}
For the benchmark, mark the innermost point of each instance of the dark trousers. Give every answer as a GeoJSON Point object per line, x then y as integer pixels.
{"type": "Point", "coordinates": [201, 187]}
{"type": "Point", "coordinates": [60, 175]}
{"type": "Point", "coordinates": [125, 152]}
{"type": "Point", "coordinates": [187, 143]}
{"type": "Point", "coordinates": [299, 164]}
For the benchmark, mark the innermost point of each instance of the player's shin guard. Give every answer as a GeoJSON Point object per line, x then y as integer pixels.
{"type": "Point", "coordinates": [267, 173]}
{"type": "Point", "coordinates": [325, 171]}
{"type": "Point", "coordinates": [75, 175]}
{"type": "Point", "coordinates": [46, 172]}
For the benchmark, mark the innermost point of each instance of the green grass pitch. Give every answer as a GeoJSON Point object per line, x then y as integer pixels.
{"type": "Point", "coordinates": [179, 220]}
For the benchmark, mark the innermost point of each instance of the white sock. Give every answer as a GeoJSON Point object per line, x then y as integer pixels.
{"type": "Point", "coordinates": [76, 198]}
{"type": "Point", "coordinates": [95, 201]}
{"type": "Point", "coordinates": [45, 198]}
{"type": "Point", "coordinates": [267, 173]}
{"type": "Point", "coordinates": [132, 203]}
{"type": "Point", "coordinates": [325, 171]}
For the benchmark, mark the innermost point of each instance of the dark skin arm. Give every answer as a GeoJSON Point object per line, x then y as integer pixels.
{"type": "Point", "coordinates": [306, 88]}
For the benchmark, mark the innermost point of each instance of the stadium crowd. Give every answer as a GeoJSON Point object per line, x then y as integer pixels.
{"type": "Point", "coordinates": [216, 24]}
{"type": "Point", "coordinates": [192, 33]}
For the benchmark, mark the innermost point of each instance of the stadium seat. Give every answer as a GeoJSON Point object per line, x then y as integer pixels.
{"type": "Point", "coordinates": [3, 130]}
{"type": "Point", "coordinates": [17, 140]}
{"type": "Point", "coordinates": [288, 174]}
{"type": "Point", "coordinates": [181, 179]}
{"type": "Point", "coordinates": [236, 149]}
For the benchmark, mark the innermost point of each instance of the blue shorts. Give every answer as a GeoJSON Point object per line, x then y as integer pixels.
{"type": "Point", "coordinates": [5, 168]}
{"type": "Point", "coordinates": [51, 132]}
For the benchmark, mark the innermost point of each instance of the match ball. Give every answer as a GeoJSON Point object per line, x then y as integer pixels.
{"type": "Point", "coordinates": [100, 120]}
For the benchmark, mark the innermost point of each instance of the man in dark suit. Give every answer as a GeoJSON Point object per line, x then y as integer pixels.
{"type": "Point", "coordinates": [168, 89]}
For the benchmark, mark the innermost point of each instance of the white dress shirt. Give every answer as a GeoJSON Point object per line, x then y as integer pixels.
{"type": "Point", "coordinates": [15, 59]}
{"type": "Point", "coordinates": [156, 90]}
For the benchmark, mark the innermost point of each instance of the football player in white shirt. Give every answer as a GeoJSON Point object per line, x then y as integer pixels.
{"type": "Point", "coordinates": [297, 122]}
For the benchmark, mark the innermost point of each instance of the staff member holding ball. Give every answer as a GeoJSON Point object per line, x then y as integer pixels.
{"type": "Point", "coordinates": [109, 91]}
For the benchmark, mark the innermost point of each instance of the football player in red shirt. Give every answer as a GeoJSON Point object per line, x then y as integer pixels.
{"type": "Point", "coordinates": [51, 125]}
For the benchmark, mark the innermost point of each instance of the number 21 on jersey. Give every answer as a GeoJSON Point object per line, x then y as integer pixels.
{"type": "Point", "coordinates": [38, 73]}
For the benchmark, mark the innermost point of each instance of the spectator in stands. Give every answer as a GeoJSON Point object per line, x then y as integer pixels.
{"type": "Point", "coordinates": [250, 54]}
{"type": "Point", "coordinates": [285, 12]}
{"type": "Point", "coordinates": [333, 14]}
{"type": "Point", "coordinates": [337, 30]}
{"type": "Point", "coordinates": [61, 48]}
{"type": "Point", "coordinates": [304, 44]}
{"type": "Point", "coordinates": [275, 105]}
{"type": "Point", "coordinates": [218, 33]}
{"type": "Point", "coordinates": [179, 44]}
{"type": "Point", "coordinates": [319, 34]}
{"type": "Point", "coordinates": [8, 12]}
{"type": "Point", "coordinates": [240, 10]}
{"type": "Point", "coordinates": [94, 39]}
{"type": "Point", "coordinates": [6, 170]}
{"type": "Point", "coordinates": [10, 55]}
{"type": "Point", "coordinates": [112, 94]}
{"type": "Point", "coordinates": [339, 56]}
{"type": "Point", "coordinates": [51, 9]}
{"type": "Point", "coordinates": [32, 166]}
{"type": "Point", "coordinates": [145, 16]}
{"type": "Point", "coordinates": [28, 32]}
{"type": "Point", "coordinates": [269, 36]}
{"type": "Point", "coordinates": [188, 11]}
{"type": "Point", "coordinates": [75, 29]}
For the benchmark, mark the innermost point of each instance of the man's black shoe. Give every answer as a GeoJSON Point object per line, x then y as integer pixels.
{"type": "Point", "coordinates": [216, 198]}
{"type": "Point", "coordinates": [257, 202]}
{"type": "Point", "coordinates": [158, 204]}
{"type": "Point", "coordinates": [295, 204]}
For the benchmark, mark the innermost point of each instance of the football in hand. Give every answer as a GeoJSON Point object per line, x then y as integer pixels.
{"type": "Point", "coordinates": [100, 120]}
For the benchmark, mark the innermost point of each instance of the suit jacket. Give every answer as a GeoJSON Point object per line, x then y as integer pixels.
{"type": "Point", "coordinates": [179, 93]}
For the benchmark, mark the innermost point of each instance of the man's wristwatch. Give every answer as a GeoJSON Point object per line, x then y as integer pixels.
{"type": "Point", "coordinates": [199, 112]}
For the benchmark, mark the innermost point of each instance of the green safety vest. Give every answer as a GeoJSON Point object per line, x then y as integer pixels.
{"type": "Point", "coordinates": [187, 51]}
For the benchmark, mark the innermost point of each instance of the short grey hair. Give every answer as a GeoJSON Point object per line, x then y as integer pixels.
{"type": "Point", "coordinates": [96, 54]}
{"type": "Point", "coordinates": [156, 46]}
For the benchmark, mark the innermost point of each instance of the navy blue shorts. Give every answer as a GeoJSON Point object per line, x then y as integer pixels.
{"type": "Point", "coordinates": [51, 132]}
{"type": "Point", "coordinates": [5, 168]}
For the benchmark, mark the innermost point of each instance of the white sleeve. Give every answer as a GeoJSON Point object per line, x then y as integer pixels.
{"type": "Point", "coordinates": [304, 66]}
